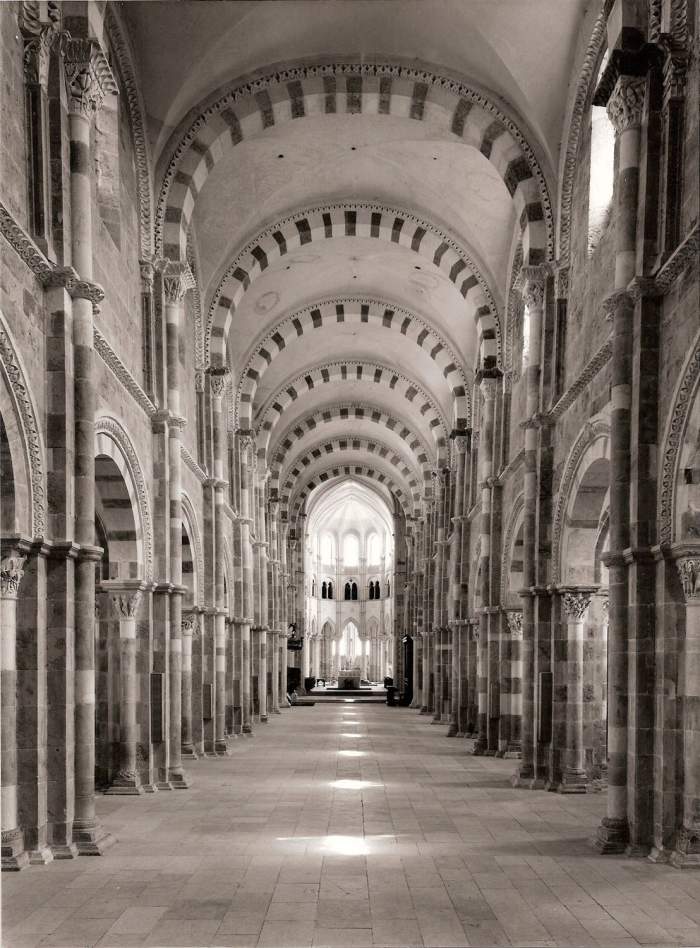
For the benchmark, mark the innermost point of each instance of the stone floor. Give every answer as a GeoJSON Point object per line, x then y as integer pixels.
{"type": "Point", "coordinates": [351, 825]}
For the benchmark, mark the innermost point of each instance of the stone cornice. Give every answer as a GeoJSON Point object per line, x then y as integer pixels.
{"type": "Point", "coordinates": [112, 360]}
{"type": "Point", "coordinates": [594, 365]}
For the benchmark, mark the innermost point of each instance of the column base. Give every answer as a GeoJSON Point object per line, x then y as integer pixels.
{"type": "Point", "coordinates": [276, 711]}
{"type": "Point", "coordinates": [150, 788]}
{"type": "Point", "coordinates": [660, 856]}
{"type": "Point", "coordinates": [247, 730]}
{"type": "Point", "coordinates": [164, 785]}
{"type": "Point", "coordinates": [221, 749]}
{"type": "Point", "coordinates": [187, 752]}
{"type": "Point", "coordinates": [14, 858]}
{"type": "Point", "coordinates": [424, 709]}
{"type": "Point", "coordinates": [40, 856]}
{"type": "Point", "coordinates": [500, 753]}
{"type": "Point", "coordinates": [179, 780]}
{"type": "Point", "coordinates": [452, 730]}
{"type": "Point", "coordinates": [490, 752]}
{"type": "Point", "coordinates": [480, 748]}
{"type": "Point", "coordinates": [637, 851]}
{"type": "Point", "coordinates": [65, 851]}
{"type": "Point", "coordinates": [90, 838]}
{"type": "Point", "coordinates": [125, 785]}
{"type": "Point", "coordinates": [566, 787]}
{"type": "Point", "coordinates": [263, 719]}
{"type": "Point", "coordinates": [612, 836]}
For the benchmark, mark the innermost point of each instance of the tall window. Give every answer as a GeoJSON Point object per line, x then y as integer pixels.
{"type": "Point", "coordinates": [351, 550]}
{"type": "Point", "coordinates": [602, 170]}
{"type": "Point", "coordinates": [324, 590]}
{"type": "Point", "coordinates": [348, 591]}
{"type": "Point", "coordinates": [354, 590]}
{"type": "Point", "coordinates": [330, 590]}
{"type": "Point", "coordinates": [373, 549]}
{"type": "Point", "coordinates": [371, 589]}
{"type": "Point", "coordinates": [327, 548]}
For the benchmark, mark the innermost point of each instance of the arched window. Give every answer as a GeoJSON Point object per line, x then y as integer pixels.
{"type": "Point", "coordinates": [354, 590]}
{"type": "Point", "coordinates": [351, 550]}
{"type": "Point", "coordinates": [373, 549]}
{"type": "Point", "coordinates": [371, 589]}
{"type": "Point", "coordinates": [330, 590]}
{"type": "Point", "coordinates": [601, 170]}
{"type": "Point", "coordinates": [313, 588]}
{"type": "Point", "coordinates": [348, 591]}
{"type": "Point", "coordinates": [323, 589]}
{"type": "Point", "coordinates": [377, 590]}
{"type": "Point", "coordinates": [388, 588]}
{"type": "Point", "coordinates": [327, 548]}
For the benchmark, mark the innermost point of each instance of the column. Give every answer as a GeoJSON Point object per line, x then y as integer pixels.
{"type": "Point", "coordinates": [455, 588]}
{"type": "Point", "coordinates": [262, 550]}
{"type": "Point", "coordinates": [488, 388]}
{"type": "Point", "coordinates": [625, 104]}
{"type": "Point", "coordinates": [515, 628]}
{"type": "Point", "coordinates": [11, 571]}
{"type": "Point", "coordinates": [88, 79]}
{"type": "Point", "coordinates": [687, 849]}
{"type": "Point", "coordinates": [246, 606]}
{"type": "Point", "coordinates": [189, 626]}
{"type": "Point", "coordinates": [532, 282]}
{"type": "Point", "coordinates": [124, 600]}
{"type": "Point", "coordinates": [575, 603]}
{"type": "Point", "coordinates": [218, 377]}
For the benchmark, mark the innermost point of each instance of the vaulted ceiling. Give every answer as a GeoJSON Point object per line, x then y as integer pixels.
{"type": "Point", "coordinates": [352, 180]}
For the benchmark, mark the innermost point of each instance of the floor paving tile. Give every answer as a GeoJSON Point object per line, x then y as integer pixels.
{"type": "Point", "coordinates": [433, 848]}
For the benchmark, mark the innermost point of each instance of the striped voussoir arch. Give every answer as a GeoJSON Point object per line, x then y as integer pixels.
{"type": "Point", "coordinates": [355, 311]}
{"type": "Point", "coordinates": [456, 111]}
{"type": "Point", "coordinates": [313, 423]}
{"type": "Point", "coordinates": [332, 221]}
{"type": "Point", "coordinates": [371, 373]}
{"type": "Point", "coordinates": [376, 473]}
{"type": "Point", "coordinates": [132, 525]}
{"type": "Point", "coordinates": [287, 475]}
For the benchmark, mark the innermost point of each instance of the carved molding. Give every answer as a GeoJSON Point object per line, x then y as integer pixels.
{"type": "Point", "coordinates": [586, 76]}
{"type": "Point", "coordinates": [199, 359]}
{"type": "Point", "coordinates": [39, 36]}
{"type": "Point", "coordinates": [124, 56]}
{"type": "Point", "coordinates": [112, 360]}
{"type": "Point", "coordinates": [193, 465]}
{"type": "Point", "coordinates": [672, 444]}
{"type": "Point", "coordinates": [515, 624]}
{"type": "Point", "coordinates": [239, 90]}
{"type": "Point", "coordinates": [87, 74]}
{"type": "Point", "coordinates": [23, 245]}
{"type": "Point", "coordinates": [684, 255]}
{"type": "Point", "coordinates": [507, 548]}
{"type": "Point", "coordinates": [192, 525]}
{"type": "Point", "coordinates": [20, 394]}
{"type": "Point", "coordinates": [626, 103]}
{"type": "Point", "coordinates": [588, 373]}
{"type": "Point", "coordinates": [112, 428]}
{"type": "Point", "coordinates": [11, 573]}
{"type": "Point", "coordinates": [591, 432]}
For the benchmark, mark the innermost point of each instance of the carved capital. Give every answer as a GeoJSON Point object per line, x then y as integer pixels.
{"type": "Point", "coordinates": [125, 602]}
{"type": "Point", "coordinates": [177, 280]}
{"type": "Point", "coordinates": [689, 572]}
{"type": "Point", "coordinates": [576, 605]}
{"type": "Point", "coordinates": [626, 103]}
{"type": "Point", "coordinates": [199, 377]}
{"type": "Point", "coordinates": [515, 624]}
{"type": "Point", "coordinates": [147, 270]}
{"type": "Point", "coordinates": [218, 379]}
{"type": "Point", "coordinates": [489, 388]}
{"type": "Point", "coordinates": [461, 443]}
{"type": "Point", "coordinates": [11, 573]}
{"type": "Point", "coordinates": [87, 74]}
{"type": "Point", "coordinates": [561, 283]}
{"type": "Point", "coordinates": [530, 281]}
{"type": "Point", "coordinates": [190, 624]}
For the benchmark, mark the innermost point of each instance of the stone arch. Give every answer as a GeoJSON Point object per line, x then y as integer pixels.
{"type": "Point", "coordinates": [350, 414]}
{"type": "Point", "coordinates": [243, 109]}
{"type": "Point", "coordinates": [353, 310]}
{"type": "Point", "coordinates": [675, 440]}
{"type": "Point", "coordinates": [581, 503]}
{"type": "Point", "coordinates": [328, 629]}
{"type": "Point", "coordinates": [191, 524]}
{"type": "Point", "coordinates": [297, 501]}
{"type": "Point", "coordinates": [24, 447]}
{"type": "Point", "coordinates": [334, 445]}
{"type": "Point", "coordinates": [113, 442]}
{"type": "Point", "coordinates": [513, 540]}
{"type": "Point", "coordinates": [353, 371]}
{"type": "Point", "coordinates": [384, 472]}
{"type": "Point", "coordinates": [332, 221]}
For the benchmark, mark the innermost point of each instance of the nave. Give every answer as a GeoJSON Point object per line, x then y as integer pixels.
{"type": "Point", "coordinates": [352, 825]}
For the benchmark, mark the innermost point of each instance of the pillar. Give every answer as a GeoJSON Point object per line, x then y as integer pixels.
{"type": "Point", "coordinates": [11, 571]}
{"type": "Point", "coordinates": [532, 283]}
{"type": "Point", "coordinates": [625, 106]}
{"type": "Point", "coordinates": [575, 604]}
{"type": "Point", "coordinates": [217, 384]}
{"type": "Point", "coordinates": [88, 79]}
{"type": "Point", "coordinates": [124, 600]}
{"type": "Point", "coordinates": [246, 606]}
{"type": "Point", "coordinates": [190, 622]}
{"type": "Point", "coordinates": [687, 848]}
